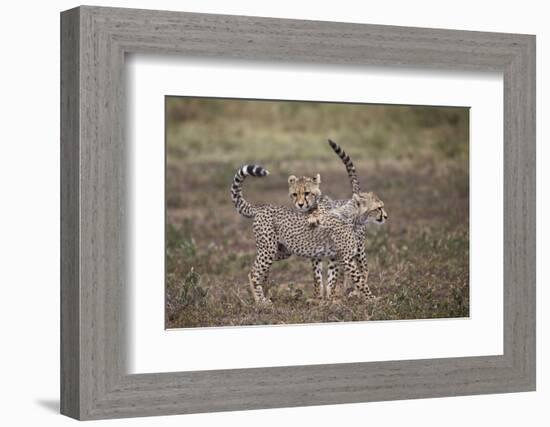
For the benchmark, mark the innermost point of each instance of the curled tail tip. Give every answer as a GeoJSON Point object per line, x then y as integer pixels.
{"type": "Point", "coordinates": [334, 146]}
{"type": "Point", "coordinates": [254, 170]}
{"type": "Point", "coordinates": [243, 207]}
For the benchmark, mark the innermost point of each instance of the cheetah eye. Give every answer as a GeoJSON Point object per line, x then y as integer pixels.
{"type": "Point", "coordinates": [294, 195]}
{"type": "Point", "coordinates": [307, 193]}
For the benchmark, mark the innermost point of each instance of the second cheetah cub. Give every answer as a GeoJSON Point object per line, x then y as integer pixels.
{"type": "Point", "coordinates": [359, 210]}
{"type": "Point", "coordinates": [333, 216]}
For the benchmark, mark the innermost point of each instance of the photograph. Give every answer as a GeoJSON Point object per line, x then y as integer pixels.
{"type": "Point", "coordinates": [297, 212]}
{"type": "Point", "coordinates": [294, 211]}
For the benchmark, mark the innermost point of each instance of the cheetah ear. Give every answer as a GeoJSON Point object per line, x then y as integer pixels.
{"type": "Point", "coordinates": [317, 179]}
{"type": "Point", "coordinates": [291, 179]}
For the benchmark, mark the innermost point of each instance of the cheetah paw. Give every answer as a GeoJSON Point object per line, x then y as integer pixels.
{"type": "Point", "coordinates": [264, 303]}
{"type": "Point", "coordinates": [360, 296]}
{"type": "Point", "coordinates": [313, 222]}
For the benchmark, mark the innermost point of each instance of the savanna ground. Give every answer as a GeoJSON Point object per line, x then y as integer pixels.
{"type": "Point", "coordinates": [415, 158]}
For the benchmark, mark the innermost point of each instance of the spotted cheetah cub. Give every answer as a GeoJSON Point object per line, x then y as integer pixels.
{"type": "Point", "coordinates": [338, 218]}
{"type": "Point", "coordinates": [281, 231]}
{"type": "Point", "coordinates": [304, 192]}
{"type": "Point", "coordinates": [306, 196]}
{"type": "Point", "coordinates": [355, 213]}
{"type": "Point", "coordinates": [361, 209]}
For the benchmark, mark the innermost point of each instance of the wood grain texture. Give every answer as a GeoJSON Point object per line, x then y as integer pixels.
{"type": "Point", "coordinates": [70, 220]}
{"type": "Point", "coordinates": [94, 267]}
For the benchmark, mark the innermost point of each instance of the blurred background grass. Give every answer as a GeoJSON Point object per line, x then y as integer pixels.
{"type": "Point", "coordinates": [415, 158]}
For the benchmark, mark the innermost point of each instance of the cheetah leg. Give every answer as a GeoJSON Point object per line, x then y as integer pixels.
{"type": "Point", "coordinates": [318, 291]}
{"type": "Point", "coordinates": [257, 290]}
{"type": "Point", "coordinates": [258, 275]}
{"type": "Point", "coordinates": [360, 281]}
{"type": "Point", "coordinates": [347, 246]}
{"type": "Point", "coordinates": [363, 265]}
{"type": "Point", "coordinates": [350, 267]}
{"type": "Point", "coordinates": [332, 277]}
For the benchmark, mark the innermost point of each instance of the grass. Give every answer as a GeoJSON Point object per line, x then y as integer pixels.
{"type": "Point", "coordinates": [414, 158]}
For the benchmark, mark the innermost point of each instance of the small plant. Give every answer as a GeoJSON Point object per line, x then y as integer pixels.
{"type": "Point", "coordinates": [190, 291]}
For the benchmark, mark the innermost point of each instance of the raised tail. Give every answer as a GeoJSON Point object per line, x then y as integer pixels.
{"type": "Point", "coordinates": [352, 174]}
{"type": "Point", "coordinates": [242, 206]}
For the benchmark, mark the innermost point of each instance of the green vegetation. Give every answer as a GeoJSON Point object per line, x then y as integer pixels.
{"type": "Point", "coordinates": [414, 158]}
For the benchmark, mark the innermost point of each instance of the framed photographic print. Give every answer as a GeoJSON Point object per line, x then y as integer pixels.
{"type": "Point", "coordinates": [262, 213]}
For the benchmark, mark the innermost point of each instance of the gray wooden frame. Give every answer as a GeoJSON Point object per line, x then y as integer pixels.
{"type": "Point", "coordinates": [94, 41]}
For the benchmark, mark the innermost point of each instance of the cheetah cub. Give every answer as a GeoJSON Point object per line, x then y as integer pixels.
{"type": "Point", "coordinates": [344, 222]}
{"type": "Point", "coordinates": [282, 231]}
{"type": "Point", "coordinates": [339, 219]}
{"type": "Point", "coordinates": [355, 213]}
{"type": "Point", "coordinates": [361, 209]}
{"type": "Point", "coordinates": [306, 196]}
{"type": "Point", "coordinates": [304, 192]}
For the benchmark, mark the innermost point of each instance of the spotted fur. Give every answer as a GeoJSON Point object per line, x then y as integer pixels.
{"type": "Point", "coordinates": [304, 192]}
{"type": "Point", "coordinates": [361, 209]}
{"type": "Point", "coordinates": [344, 211]}
{"type": "Point", "coordinates": [281, 231]}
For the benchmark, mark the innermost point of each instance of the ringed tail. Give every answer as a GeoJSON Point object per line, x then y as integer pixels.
{"type": "Point", "coordinates": [243, 207]}
{"type": "Point", "coordinates": [352, 174]}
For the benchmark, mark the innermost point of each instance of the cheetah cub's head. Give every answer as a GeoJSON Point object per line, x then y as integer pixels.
{"type": "Point", "coordinates": [370, 208]}
{"type": "Point", "coordinates": [304, 191]}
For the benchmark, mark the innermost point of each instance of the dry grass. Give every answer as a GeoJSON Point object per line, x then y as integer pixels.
{"type": "Point", "coordinates": [415, 159]}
